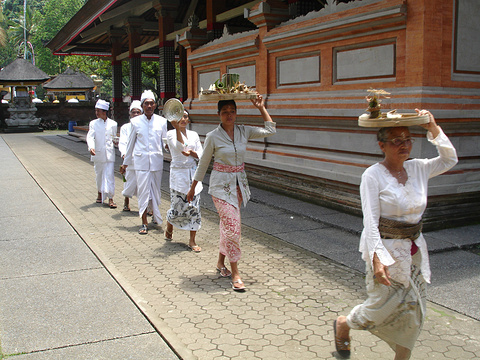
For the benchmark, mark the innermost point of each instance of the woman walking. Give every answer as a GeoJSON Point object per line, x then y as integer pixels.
{"type": "Point", "coordinates": [186, 149]}
{"type": "Point", "coordinates": [394, 197]}
{"type": "Point", "coordinates": [228, 180]}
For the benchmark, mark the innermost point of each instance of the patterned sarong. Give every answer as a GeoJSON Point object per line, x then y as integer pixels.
{"type": "Point", "coordinates": [182, 214]}
{"type": "Point", "coordinates": [230, 228]}
{"type": "Point", "coordinates": [393, 313]}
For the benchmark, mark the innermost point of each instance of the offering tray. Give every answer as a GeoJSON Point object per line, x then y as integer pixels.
{"type": "Point", "coordinates": [392, 119]}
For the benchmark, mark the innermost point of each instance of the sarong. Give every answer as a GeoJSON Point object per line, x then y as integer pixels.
{"type": "Point", "coordinates": [182, 214]}
{"type": "Point", "coordinates": [230, 227]}
{"type": "Point", "coordinates": [130, 185]}
{"type": "Point", "coordinates": [393, 313]}
{"type": "Point", "coordinates": [105, 179]}
{"type": "Point", "coordinates": [149, 189]}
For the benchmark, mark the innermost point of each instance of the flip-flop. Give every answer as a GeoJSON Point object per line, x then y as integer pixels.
{"type": "Point", "coordinates": [240, 288]}
{"type": "Point", "coordinates": [195, 248]}
{"type": "Point", "coordinates": [224, 272]}
{"type": "Point", "coordinates": [341, 345]}
{"type": "Point", "coordinates": [143, 230]}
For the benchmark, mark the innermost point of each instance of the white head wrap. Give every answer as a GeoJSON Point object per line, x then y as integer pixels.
{"type": "Point", "coordinates": [147, 94]}
{"type": "Point", "coordinates": [102, 104]}
{"type": "Point", "coordinates": [136, 104]}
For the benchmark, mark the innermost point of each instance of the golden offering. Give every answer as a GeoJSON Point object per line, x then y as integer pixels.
{"type": "Point", "coordinates": [377, 118]}
{"type": "Point", "coordinates": [227, 88]}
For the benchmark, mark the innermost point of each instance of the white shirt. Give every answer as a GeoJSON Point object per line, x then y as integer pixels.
{"type": "Point", "coordinates": [123, 140]}
{"type": "Point", "coordinates": [100, 137]}
{"type": "Point", "coordinates": [383, 196]}
{"type": "Point", "coordinates": [145, 145]}
{"type": "Point", "coordinates": [223, 185]}
{"type": "Point", "coordinates": [182, 168]}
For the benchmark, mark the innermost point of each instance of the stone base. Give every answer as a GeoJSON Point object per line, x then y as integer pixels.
{"type": "Point", "coordinates": [22, 129]}
{"type": "Point", "coordinates": [442, 211]}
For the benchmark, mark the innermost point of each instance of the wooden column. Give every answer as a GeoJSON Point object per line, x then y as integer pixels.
{"type": "Point", "coordinates": [214, 29]}
{"type": "Point", "coordinates": [134, 29]}
{"type": "Point", "coordinates": [166, 51]}
{"type": "Point", "coordinates": [116, 37]}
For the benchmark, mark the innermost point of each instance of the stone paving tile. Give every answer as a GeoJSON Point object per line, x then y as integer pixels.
{"type": "Point", "coordinates": [293, 295]}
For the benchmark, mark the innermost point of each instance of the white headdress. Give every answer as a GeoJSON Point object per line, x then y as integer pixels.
{"type": "Point", "coordinates": [147, 94]}
{"type": "Point", "coordinates": [136, 104]}
{"type": "Point", "coordinates": [102, 104]}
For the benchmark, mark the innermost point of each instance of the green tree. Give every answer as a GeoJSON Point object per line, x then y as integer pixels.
{"type": "Point", "coordinates": [22, 29]}
{"type": "Point", "coordinates": [56, 13]}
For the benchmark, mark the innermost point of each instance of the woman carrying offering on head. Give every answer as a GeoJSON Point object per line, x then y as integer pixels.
{"type": "Point", "coordinates": [186, 149]}
{"type": "Point", "coordinates": [228, 180]}
{"type": "Point", "coordinates": [394, 197]}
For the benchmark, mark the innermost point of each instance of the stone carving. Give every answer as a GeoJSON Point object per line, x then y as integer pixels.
{"type": "Point", "coordinates": [22, 113]}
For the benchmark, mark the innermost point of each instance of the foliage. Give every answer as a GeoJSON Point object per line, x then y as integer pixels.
{"type": "Point", "coordinates": [45, 18]}
{"type": "Point", "coordinates": [56, 13]}
{"type": "Point", "coordinates": [20, 30]}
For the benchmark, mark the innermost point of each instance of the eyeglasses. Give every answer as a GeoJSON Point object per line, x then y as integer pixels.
{"type": "Point", "coordinates": [400, 141]}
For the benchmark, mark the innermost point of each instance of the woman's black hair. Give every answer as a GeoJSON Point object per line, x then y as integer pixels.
{"type": "Point", "coordinates": [223, 103]}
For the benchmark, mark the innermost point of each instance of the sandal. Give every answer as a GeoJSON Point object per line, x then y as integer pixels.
{"type": "Point", "coordinates": [126, 208]}
{"type": "Point", "coordinates": [98, 201]}
{"type": "Point", "coordinates": [195, 248]}
{"type": "Point", "coordinates": [238, 288]}
{"type": "Point", "coordinates": [341, 345]}
{"type": "Point", "coordinates": [143, 230]}
{"type": "Point", "coordinates": [224, 272]}
{"type": "Point", "coordinates": [112, 205]}
{"type": "Point", "coordinates": [168, 235]}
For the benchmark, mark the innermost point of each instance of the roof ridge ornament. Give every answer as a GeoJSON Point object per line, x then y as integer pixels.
{"type": "Point", "coordinates": [193, 22]}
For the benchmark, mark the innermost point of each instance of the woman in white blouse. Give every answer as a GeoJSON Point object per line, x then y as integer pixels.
{"type": "Point", "coordinates": [394, 197]}
{"type": "Point", "coordinates": [186, 149]}
{"type": "Point", "coordinates": [228, 181]}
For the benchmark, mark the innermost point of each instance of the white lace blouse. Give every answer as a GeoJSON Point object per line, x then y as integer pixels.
{"type": "Point", "coordinates": [182, 168]}
{"type": "Point", "coordinates": [223, 185]}
{"type": "Point", "coordinates": [383, 196]}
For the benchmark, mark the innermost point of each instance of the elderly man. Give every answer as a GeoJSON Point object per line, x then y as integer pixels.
{"type": "Point", "coordinates": [130, 184]}
{"type": "Point", "coordinates": [145, 150]}
{"type": "Point", "coordinates": [102, 133]}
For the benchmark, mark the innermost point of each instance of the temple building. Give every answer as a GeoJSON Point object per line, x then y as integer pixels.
{"type": "Point", "coordinates": [314, 62]}
{"type": "Point", "coordinates": [21, 76]}
{"type": "Point", "coordinates": [69, 85]}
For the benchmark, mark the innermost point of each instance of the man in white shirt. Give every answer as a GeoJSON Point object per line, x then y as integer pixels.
{"type": "Point", "coordinates": [145, 150]}
{"type": "Point", "coordinates": [102, 134]}
{"type": "Point", "coordinates": [130, 180]}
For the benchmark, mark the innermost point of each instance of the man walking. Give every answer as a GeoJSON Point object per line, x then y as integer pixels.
{"type": "Point", "coordinates": [102, 132]}
{"type": "Point", "coordinates": [130, 184]}
{"type": "Point", "coordinates": [145, 151]}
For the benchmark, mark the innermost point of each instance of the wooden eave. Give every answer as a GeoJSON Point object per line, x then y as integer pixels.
{"type": "Point", "coordinates": [88, 32]}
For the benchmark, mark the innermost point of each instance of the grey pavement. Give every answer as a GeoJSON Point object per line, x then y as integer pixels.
{"type": "Point", "coordinates": [78, 282]}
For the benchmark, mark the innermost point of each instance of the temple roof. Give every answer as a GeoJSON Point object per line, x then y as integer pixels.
{"type": "Point", "coordinates": [91, 30]}
{"type": "Point", "coordinates": [70, 79]}
{"type": "Point", "coordinates": [22, 72]}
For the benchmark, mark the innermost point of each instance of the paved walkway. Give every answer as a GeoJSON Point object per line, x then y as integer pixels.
{"type": "Point", "coordinates": [61, 302]}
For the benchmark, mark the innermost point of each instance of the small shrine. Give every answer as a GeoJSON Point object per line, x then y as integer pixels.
{"type": "Point", "coordinates": [21, 76]}
{"type": "Point", "coordinates": [71, 85]}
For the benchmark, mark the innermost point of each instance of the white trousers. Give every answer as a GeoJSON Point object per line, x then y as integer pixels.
{"type": "Point", "coordinates": [130, 186]}
{"type": "Point", "coordinates": [148, 189]}
{"type": "Point", "coordinates": [105, 179]}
